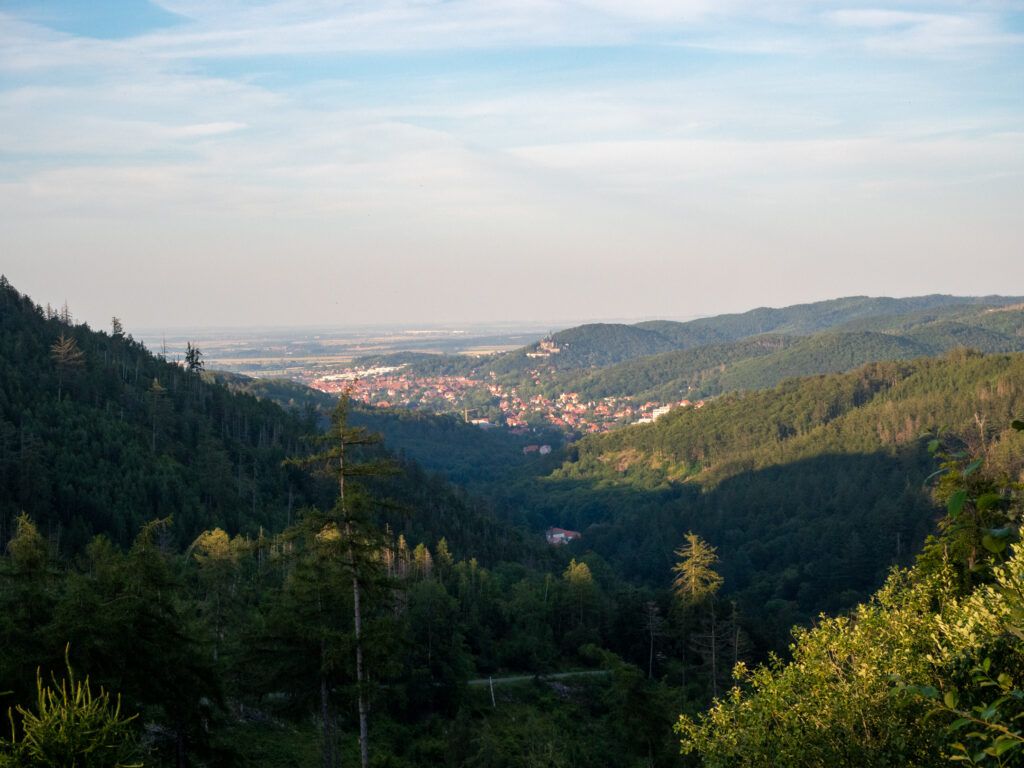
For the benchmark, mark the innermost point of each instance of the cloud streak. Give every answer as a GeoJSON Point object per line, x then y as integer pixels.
{"type": "Point", "coordinates": [442, 137]}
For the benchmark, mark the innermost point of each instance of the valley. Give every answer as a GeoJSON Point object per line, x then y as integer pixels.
{"type": "Point", "coordinates": [794, 481]}
{"type": "Point", "coordinates": [453, 384]}
{"type": "Point", "coordinates": [598, 377]}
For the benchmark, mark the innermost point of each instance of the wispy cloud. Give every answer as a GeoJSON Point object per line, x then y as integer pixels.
{"type": "Point", "coordinates": [205, 129]}
{"type": "Point", "coordinates": [916, 33]}
{"type": "Point", "coordinates": [456, 130]}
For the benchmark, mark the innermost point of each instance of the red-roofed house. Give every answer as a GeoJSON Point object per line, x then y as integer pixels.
{"type": "Point", "coordinates": [559, 536]}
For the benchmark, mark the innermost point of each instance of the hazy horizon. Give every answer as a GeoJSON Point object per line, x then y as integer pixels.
{"type": "Point", "coordinates": [295, 163]}
{"type": "Point", "coordinates": [150, 334]}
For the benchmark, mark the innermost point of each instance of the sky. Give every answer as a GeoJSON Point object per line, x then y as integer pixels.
{"type": "Point", "coordinates": [323, 162]}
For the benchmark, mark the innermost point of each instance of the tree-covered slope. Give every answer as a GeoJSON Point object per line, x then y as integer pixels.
{"type": "Point", "coordinates": [829, 352]}
{"type": "Point", "coordinates": [927, 672]}
{"type": "Point", "coordinates": [812, 489]}
{"type": "Point", "coordinates": [949, 334]}
{"type": "Point", "coordinates": [584, 346]}
{"type": "Point", "coordinates": [879, 406]}
{"type": "Point", "coordinates": [671, 375]}
{"type": "Point", "coordinates": [802, 319]}
{"type": "Point", "coordinates": [134, 438]}
{"type": "Point", "coordinates": [131, 438]}
{"type": "Point", "coordinates": [423, 363]}
{"type": "Point", "coordinates": [751, 363]}
{"type": "Point", "coordinates": [757, 362]}
{"type": "Point", "coordinates": [567, 358]}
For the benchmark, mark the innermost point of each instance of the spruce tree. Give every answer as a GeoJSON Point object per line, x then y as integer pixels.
{"type": "Point", "coordinates": [349, 526]}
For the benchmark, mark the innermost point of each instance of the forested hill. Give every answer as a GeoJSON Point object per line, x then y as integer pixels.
{"type": "Point", "coordinates": [811, 490]}
{"type": "Point", "coordinates": [882, 406]}
{"type": "Point", "coordinates": [753, 363]}
{"type": "Point", "coordinates": [647, 360]}
{"type": "Point", "coordinates": [584, 346]}
{"type": "Point", "coordinates": [805, 319]}
{"type": "Point", "coordinates": [765, 360]}
{"type": "Point", "coordinates": [98, 435]}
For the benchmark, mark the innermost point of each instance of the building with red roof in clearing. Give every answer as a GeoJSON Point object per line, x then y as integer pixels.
{"type": "Point", "coordinates": [559, 536]}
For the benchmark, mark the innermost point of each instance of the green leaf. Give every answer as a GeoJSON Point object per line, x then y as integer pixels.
{"type": "Point", "coordinates": [933, 446]}
{"type": "Point", "coordinates": [928, 691]}
{"type": "Point", "coordinates": [950, 699]}
{"type": "Point", "coordinates": [1005, 744]}
{"type": "Point", "coordinates": [993, 544]}
{"type": "Point", "coordinates": [973, 467]}
{"type": "Point", "coordinates": [988, 501]}
{"type": "Point", "coordinates": [956, 503]}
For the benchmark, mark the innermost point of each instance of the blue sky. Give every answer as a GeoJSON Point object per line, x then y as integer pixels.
{"type": "Point", "coordinates": [191, 162]}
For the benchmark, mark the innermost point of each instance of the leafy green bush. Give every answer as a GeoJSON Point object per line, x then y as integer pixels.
{"type": "Point", "coordinates": [928, 670]}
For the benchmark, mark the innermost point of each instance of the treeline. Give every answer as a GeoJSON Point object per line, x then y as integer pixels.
{"type": "Point", "coordinates": [240, 652]}
{"type": "Point", "coordinates": [852, 312]}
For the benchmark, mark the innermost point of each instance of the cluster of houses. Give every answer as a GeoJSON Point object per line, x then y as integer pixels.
{"type": "Point", "coordinates": [570, 411]}
{"type": "Point", "coordinates": [393, 387]}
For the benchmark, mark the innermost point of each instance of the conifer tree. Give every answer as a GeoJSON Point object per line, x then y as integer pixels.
{"type": "Point", "coordinates": [696, 584]}
{"type": "Point", "coordinates": [26, 604]}
{"type": "Point", "coordinates": [444, 560]}
{"type": "Point", "coordinates": [581, 584]}
{"type": "Point", "coordinates": [696, 578]}
{"type": "Point", "coordinates": [157, 393]}
{"type": "Point", "coordinates": [67, 356]}
{"type": "Point", "coordinates": [652, 623]}
{"type": "Point", "coordinates": [349, 525]}
{"type": "Point", "coordinates": [217, 556]}
{"type": "Point", "coordinates": [193, 359]}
